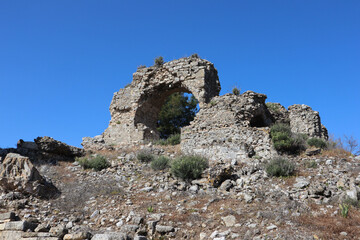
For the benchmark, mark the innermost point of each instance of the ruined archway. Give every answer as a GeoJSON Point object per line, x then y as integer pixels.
{"type": "Point", "coordinates": [135, 108]}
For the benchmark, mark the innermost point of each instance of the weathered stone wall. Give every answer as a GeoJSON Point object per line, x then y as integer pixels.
{"type": "Point", "coordinates": [135, 108]}
{"type": "Point", "coordinates": [230, 128]}
{"type": "Point", "coordinates": [226, 128]}
{"type": "Point", "coordinates": [304, 120]}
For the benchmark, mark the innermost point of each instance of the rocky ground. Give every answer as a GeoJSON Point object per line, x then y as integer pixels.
{"type": "Point", "coordinates": [130, 200]}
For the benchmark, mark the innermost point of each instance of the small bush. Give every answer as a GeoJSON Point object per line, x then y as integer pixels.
{"type": "Point", "coordinates": [236, 91]}
{"type": "Point", "coordinates": [195, 55]}
{"type": "Point", "coordinates": [97, 163]}
{"type": "Point", "coordinates": [159, 61]}
{"type": "Point", "coordinates": [285, 141]}
{"type": "Point", "coordinates": [145, 157]}
{"type": "Point", "coordinates": [160, 163]}
{"type": "Point", "coordinates": [141, 67]}
{"type": "Point", "coordinates": [299, 143]}
{"type": "Point", "coordinates": [280, 127]}
{"type": "Point", "coordinates": [317, 142]}
{"type": "Point", "coordinates": [280, 167]}
{"type": "Point", "coordinates": [173, 139]}
{"type": "Point", "coordinates": [189, 167]}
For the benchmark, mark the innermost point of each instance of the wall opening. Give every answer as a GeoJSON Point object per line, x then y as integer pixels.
{"type": "Point", "coordinates": [258, 121]}
{"type": "Point", "coordinates": [178, 110]}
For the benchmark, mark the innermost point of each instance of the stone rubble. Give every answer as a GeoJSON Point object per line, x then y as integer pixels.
{"type": "Point", "coordinates": [229, 202]}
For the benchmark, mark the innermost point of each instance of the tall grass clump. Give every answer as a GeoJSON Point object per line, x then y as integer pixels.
{"type": "Point", "coordinates": [189, 167]}
{"type": "Point", "coordinates": [160, 163]}
{"type": "Point", "coordinates": [97, 163]}
{"type": "Point", "coordinates": [236, 91]}
{"type": "Point", "coordinates": [279, 167]}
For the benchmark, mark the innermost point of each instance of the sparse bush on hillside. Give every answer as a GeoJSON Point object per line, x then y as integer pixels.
{"type": "Point", "coordinates": [141, 67]}
{"type": "Point", "coordinates": [97, 163]}
{"type": "Point", "coordinates": [236, 91]}
{"type": "Point", "coordinates": [285, 141]}
{"type": "Point", "coordinates": [173, 139]}
{"type": "Point", "coordinates": [145, 157]}
{"type": "Point", "coordinates": [189, 167]}
{"type": "Point", "coordinates": [159, 61]}
{"type": "Point", "coordinates": [317, 142]}
{"type": "Point", "coordinates": [280, 167]}
{"type": "Point", "coordinates": [160, 163]}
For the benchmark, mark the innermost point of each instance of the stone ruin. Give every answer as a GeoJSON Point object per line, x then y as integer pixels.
{"type": "Point", "coordinates": [135, 108]}
{"type": "Point", "coordinates": [227, 127]}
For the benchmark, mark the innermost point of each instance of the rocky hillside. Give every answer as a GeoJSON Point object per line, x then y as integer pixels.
{"type": "Point", "coordinates": [130, 200]}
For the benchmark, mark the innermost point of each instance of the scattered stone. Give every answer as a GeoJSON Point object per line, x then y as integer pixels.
{"type": "Point", "coordinates": [164, 229]}
{"type": "Point", "coordinates": [229, 221]}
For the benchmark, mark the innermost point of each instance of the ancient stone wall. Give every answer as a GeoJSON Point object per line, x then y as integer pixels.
{"type": "Point", "coordinates": [230, 128]}
{"type": "Point", "coordinates": [304, 120]}
{"type": "Point", "coordinates": [226, 128]}
{"type": "Point", "coordinates": [135, 108]}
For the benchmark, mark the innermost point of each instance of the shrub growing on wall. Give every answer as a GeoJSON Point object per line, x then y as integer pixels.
{"type": "Point", "coordinates": [317, 142]}
{"type": "Point", "coordinates": [285, 141]}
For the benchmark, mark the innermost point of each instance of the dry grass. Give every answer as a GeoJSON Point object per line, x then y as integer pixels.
{"type": "Point", "coordinates": [336, 152]}
{"type": "Point", "coordinates": [326, 226]}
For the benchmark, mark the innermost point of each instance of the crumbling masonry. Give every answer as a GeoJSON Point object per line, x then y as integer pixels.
{"type": "Point", "coordinates": [226, 128]}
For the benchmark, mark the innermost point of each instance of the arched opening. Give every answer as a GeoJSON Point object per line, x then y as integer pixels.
{"type": "Point", "coordinates": [165, 113]}
{"type": "Point", "coordinates": [258, 121]}
{"type": "Point", "coordinates": [178, 110]}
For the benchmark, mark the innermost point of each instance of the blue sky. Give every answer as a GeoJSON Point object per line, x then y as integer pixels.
{"type": "Point", "coordinates": [61, 61]}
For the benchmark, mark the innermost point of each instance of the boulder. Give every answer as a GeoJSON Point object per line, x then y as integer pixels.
{"type": "Point", "coordinates": [17, 173]}
{"type": "Point", "coordinates": [50, 145]}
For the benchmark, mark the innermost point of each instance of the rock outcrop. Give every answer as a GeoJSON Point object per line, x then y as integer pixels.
{"type": "Point", "coordinates": [17, 173]}
{"type": "Point", "coordinates": [45, 149]}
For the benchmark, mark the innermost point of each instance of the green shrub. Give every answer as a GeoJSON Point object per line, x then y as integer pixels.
{"type": "Point", "coordinates": [317, 142]}
{"type": "Point", "coordinates": [282, 141]}
{"type": "Point", "coordinates": [160, 163]}
{"type": "Point", "coordinates": [97, 163]}
{"type": "Point", "coordinates": [299, 143]}
{"type": "Point", "coordinates": [236, 91]}
{"type": "Point", "coordinates": [285, 141]}
{"type": "Point", "coordinates": [279, 167]}
{"type": "Point", "coordinates": [145, 157]}
{"type": "Point", "coordinates": [280, 127]}
{"type": "Point", "coordinates": [173, 139]}
{"type": "Point", "coordinates": [159, 61]}
{"type": "Point", "coordinates": [195, 55]}
{"type": "Point", "coordinates": [189, 167]}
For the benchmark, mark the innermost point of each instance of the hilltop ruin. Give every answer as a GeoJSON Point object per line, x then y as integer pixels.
{"type": "Point", "coordinates": [226, 127]}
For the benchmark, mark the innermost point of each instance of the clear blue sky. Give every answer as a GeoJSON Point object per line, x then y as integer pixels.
{"type": "Point", "coordinates": [61, 61]}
